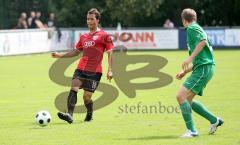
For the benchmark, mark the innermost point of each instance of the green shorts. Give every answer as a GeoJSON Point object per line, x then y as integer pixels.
{"type": "Point", "coordinates": [199, 78]}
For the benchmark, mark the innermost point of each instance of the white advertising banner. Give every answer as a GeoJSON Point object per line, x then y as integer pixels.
{"type": "Point", "coordinates": [14, 42]}
{"type": "Point", "coordinates": [61, 41]}
{"type": "Point", "coordinates": [141, 39]}
{"type": "Point", "coordinates": [23, 42]}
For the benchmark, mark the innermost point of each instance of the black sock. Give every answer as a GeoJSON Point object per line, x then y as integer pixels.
{"type": "Point", "coordinates": [71, 101]}
{"type": "Point", "coordinates": [89, 106]}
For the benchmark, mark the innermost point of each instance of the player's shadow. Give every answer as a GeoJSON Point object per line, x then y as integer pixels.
{"type": "Point", "coordinates": [65, 123]}
{"type": "Point", "coordinates": [38, 128]}
{"type": "Point", "coordinates": [152, 137]}
{"type": "Point", "coordinates": [35, 126]}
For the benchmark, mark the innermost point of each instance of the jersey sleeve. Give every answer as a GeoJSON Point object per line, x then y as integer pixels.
{"type": "Point", "coordinates": [79, 46]}
{"type": "Point", "coordinates": [196, 35]}
{"type": "Point", "coordinates": [108, 43]}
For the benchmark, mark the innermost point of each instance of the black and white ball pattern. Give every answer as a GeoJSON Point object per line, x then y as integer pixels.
{"type": "Point", "coordinates": [43, 118]}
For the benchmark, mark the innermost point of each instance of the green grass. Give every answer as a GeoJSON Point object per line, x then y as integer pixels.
{"type": "Point", "coordinates": [25, 88]}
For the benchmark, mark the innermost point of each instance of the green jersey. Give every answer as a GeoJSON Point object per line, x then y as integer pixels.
{"type": "Point", "coordinates": [195, 34]}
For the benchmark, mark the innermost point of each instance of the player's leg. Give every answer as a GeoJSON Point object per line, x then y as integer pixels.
{"type": "Point", "coordinates": [200, 109]}
{"type": "Point", "coordinates": [87, 95]}
{"type": "Point", "coordinates": [72, 97]}
{"type": "Point", "coordinates": [71, 101]}
{"type": "Point", "coordinates": [90, 85]}
{"type": "Point", "coordinates": [198, 87]}
{"type": "Point", "coordinates": [183, 97]}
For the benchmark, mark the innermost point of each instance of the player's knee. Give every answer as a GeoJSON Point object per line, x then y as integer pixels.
{"type": "Point", "coordinates": [75, 88]}
{"type": "Point", "coordinates": [180, 98]}
{"type": "Point", "coordinates": [190, 100]}
{"type": "Point", "coordinates": [86, 99]}
{"type": "Point", "coordinates": [76, 83]}
{"type": "Point", "coordinates": [87, 96]}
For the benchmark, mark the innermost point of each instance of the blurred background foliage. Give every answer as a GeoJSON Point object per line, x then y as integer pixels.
{"type": "Point", "coordinates": [130, 13]}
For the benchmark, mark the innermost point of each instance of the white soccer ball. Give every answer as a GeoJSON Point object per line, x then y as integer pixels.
{"type": "Point", "coordinates": [43, 118]}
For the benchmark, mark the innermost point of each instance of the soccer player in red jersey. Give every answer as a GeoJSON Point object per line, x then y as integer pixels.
{"type": "Point", "coordinates": [89, 70]}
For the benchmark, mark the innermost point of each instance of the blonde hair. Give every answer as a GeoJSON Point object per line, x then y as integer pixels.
{"type": "Point", "coordinates": [189, 15]}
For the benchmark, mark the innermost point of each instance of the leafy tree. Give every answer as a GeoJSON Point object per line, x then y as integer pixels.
{"type": "Point", "coordinates": [133, 12]}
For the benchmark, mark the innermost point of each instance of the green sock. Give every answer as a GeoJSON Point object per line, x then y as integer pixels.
{"type": "Point", "coordinates": [203, 111]}
{"type": "Point", "coordinates": [187, 115]}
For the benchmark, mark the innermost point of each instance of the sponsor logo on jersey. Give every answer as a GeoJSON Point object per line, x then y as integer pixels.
{"type": "Point", "coordinates": [89, 43]}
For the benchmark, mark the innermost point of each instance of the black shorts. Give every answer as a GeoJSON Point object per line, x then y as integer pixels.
{"type": "Point", "coordinates": [90, 80]}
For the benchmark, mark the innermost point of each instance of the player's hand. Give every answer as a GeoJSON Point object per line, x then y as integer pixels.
{"type": "Point", "coordinates": [180, 75]}
{"type": "Point", "coordinates": [109, 75]}
{"type": "Point", "coordinates": [56, 55]}
{"type": "Point", "coordinates": [185, 64]}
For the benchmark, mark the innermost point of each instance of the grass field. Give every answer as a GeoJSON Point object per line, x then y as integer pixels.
{"type": "Point", "coordinates": [25, 88]}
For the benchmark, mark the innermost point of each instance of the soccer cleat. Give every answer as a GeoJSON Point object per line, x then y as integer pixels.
{"type": "Point", "coordinates": [189, 134]}
{"type": "Point", "coordinates": [213, 127]}
{"type": "Point", "coordinates": [65, 116]}
{"type": "Point", "coordinates": [88, 117]}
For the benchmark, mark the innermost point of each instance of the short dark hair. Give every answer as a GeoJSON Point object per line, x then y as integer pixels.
{"type": "Point", "coordinates": [189, 15]}
{"type": "Point", "coordinates": [95, 12]}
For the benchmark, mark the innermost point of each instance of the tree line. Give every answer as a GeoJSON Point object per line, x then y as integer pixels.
{"type": "Point", "coordinates": [130, 13]}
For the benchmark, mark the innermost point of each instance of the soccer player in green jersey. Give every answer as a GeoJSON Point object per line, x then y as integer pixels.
{"type": "Point", "coordinates": [201, 56]}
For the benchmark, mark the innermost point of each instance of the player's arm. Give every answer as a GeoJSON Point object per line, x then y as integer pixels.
{"type": "Point", "coordinates": [185, 66]}
{"type": "Point", "coordinates": [109, 49]}
{"type": "Point", "coordinates": [182, 73]}
{"type": "Point", "coordinates": [196, 51]}
{"type": "Point", "coordinates": [71, 53]}
{"type": "Point", "coordinates": [109, 73]}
